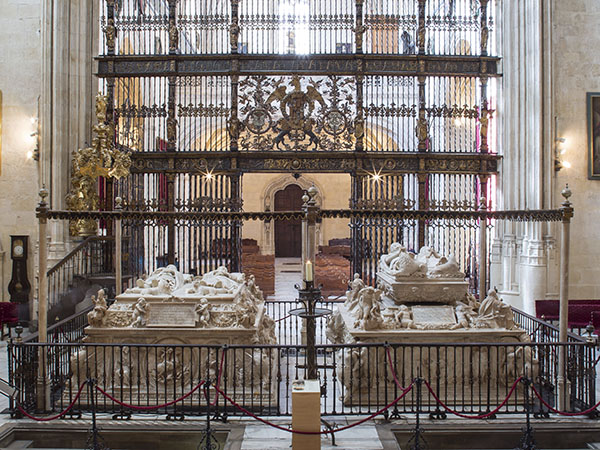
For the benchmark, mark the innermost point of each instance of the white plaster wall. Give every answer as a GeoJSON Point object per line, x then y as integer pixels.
{"type": "Point", "coordinates": [576, 54]}
{"type": "Point", "coordinates": [20, 73]}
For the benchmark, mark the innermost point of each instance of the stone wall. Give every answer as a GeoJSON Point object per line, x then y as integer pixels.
{"type": "Point", "coordinates": [20, 85]}
{"type": "Point", "coordinates": [576, 57]}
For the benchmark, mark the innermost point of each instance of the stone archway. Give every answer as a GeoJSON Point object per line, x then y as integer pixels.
{"type": "Point", "coordinates": [268, 200]}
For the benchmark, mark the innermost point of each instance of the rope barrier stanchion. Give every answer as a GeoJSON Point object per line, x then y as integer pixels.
{"type": "Point", "coordinates": [58, 416]}
{"type": "Point", "coordinates": [527, 441]}
{"type": "Point", "coordinates": [417, 437]}
{"type": "Point", "coordinates": [95, 441]}
{"type": "Point", "coordinates": [209, 441]}
{"type": "Point", "coordinates": [149, 408]}
{"type": "Point", "coordinates": [480, 416]}
{"type": "Point", "coordinates": [564, 413]}
{"type": "Point", "coordinates": [289, 430]}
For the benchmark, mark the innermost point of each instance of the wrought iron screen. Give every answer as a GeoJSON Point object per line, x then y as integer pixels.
{"type": "Point", "coordinates": [398, 93]}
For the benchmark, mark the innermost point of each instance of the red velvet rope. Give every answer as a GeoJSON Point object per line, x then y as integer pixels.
{"type": "Point", "coordinates": [481, 416]}
{"type": "Point", "coordinates": [148, 408]}
{"type": "Point", "coordinates": [563, 413]}
{"type": "Point", "coordinates": [214, 402]}
{"type": "Point", "coordinates": [58, 416]}
{"type": "Point", "coordinates": [289, 430]}
{"type": "Point", "coordinates": [389, 358]}
{"type": "Point", "coordinates": [283, 318]}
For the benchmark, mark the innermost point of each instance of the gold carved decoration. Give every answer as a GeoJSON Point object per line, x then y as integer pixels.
{"type": "Point", "coordinates": [102, 159]}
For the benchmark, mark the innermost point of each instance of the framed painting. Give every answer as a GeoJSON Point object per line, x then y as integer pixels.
{"type": "Point", "coordinates": [593, 123]}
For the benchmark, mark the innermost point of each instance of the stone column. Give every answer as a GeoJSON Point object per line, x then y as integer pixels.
{"type": "Point", "coordinates": [525, 176]}
{"type": "Point", "coordinates": [68, 88]}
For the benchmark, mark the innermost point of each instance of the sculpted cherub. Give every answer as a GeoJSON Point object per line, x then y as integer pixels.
{"type": "Point", "coordinates": [202, 313]}
{"type": "Point", "coordinates": [404, 318]}
{"type": "Point", "coordinates": [139, 314]}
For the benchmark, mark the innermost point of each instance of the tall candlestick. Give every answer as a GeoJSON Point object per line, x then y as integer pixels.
{"type": "Point", "coordinates": [308, 271]}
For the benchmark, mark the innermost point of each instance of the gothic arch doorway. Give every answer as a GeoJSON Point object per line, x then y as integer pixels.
{"type": "Point", "coordinates": [288, 233]}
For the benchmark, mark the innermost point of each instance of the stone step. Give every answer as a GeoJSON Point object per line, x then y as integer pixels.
{"type": "Point", "coordinates": [20, 444]}
{"type": "Point", "coordinates": [259, 437]}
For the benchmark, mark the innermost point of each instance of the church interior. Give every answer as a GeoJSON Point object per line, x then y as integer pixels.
{"type": "Point", "coordinates": [351, 224]}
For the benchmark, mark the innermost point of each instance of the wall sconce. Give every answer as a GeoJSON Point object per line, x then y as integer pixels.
{"type": "Point", "coordinates": [35, 153]}
{"type": "Point", "coordinates": [559, 154]}
{"type": "Point", "coordinates": [560, 149]}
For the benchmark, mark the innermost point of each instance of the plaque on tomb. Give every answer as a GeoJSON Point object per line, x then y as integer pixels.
{"type": "Point", "coordinates": [171, 315]}
{"type": "Point", "coordinates": [433, 314]}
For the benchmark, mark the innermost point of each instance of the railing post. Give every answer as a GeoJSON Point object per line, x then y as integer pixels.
{"type": "Point", "coordinates": [485, 31]}
{"type": "Point", "coordinates": [110, 31]}
{"type": "Point", "coordinates": [118, 247]}
{"type": "Point", "coordinates": [43, 391]}
{"type": "Point", "coordinates": [567, 214]}
{"type": "Point", "coordinates": [482, 250]}
{"type": "Point", "coordinates": [421, 28]}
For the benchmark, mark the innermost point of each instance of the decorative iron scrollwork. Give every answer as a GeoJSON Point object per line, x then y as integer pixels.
{"type": "Point", "coordinates": [295, 113]}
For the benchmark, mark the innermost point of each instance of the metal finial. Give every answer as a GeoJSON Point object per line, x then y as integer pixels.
{"type": "Point", "coordinates": [43, 193]}
{"type": "Point", "coordinates": [566, 192]}
{"type": "Point", "coordinates": [305, 198]}
{"type": "Point", "coordinates": [118, 202]}
{"type": "Point", "coordinates": [313, 191]}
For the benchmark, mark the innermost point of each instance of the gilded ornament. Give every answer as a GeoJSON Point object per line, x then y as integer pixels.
{"type": "Point", "coordinates": [110, 32]}
{"type": "Point", "coordinates": [102, 159]}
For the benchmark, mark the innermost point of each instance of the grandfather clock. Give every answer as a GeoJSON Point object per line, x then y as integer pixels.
{"type": "Point", "coordinates": [19, 287]}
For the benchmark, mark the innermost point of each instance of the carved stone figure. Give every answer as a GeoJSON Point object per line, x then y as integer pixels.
{"type": "Point", "coordinates": [399, 262]}
{"type": "Point", "coordinates": [254, 289]}
{"type": "Point", "coordinates": [404, 318]}
{"type": "Point", "coordinates": [140, 310]}
{"type": "Point", "coordinates": [463, 319]}
{"type": "Point", "coordinates": [79, 367]}
{"type": "Point", "coordinates": [97, 317]}
{"type": "Point", "coordinates": [494, 313]}
{"type": "Point", "coordinates": [163, 281]}
{"type": "Point", "coordinates": [368, 314]}
{"type": "Point", "coordinates": [221, 278]}
{"type": "Point", "coordinates": [336, 331]}
{"type": "Point", "coordinates": [352, 295]}
{"type": "Point", "coordinates": [445, 268]}
{"type": "Point", "coordinates": [203, 313]}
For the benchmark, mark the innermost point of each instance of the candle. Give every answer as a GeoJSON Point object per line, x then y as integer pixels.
{"type": "Point", "coordinates": [308, 271]}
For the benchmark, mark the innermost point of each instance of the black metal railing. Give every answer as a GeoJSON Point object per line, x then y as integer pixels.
{"type": "Point", "coordinates": [355, 379]}
{"type": "Point", "coordinates": [539, 330]}
{"type": "Point", "coordinates": [93, 257]}
{"type": "Point", "coordinates": [289, 329]}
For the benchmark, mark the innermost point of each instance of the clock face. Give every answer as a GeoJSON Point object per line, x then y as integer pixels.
{"type": "Point", "coordinates": [18, 248]}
